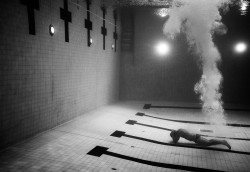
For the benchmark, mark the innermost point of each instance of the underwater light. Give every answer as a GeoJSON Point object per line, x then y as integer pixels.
{"type": "Point", "coordinates": [162, 12]}
{"type": "Point", "coordinates": [91, 41]}
{"type": "Point", "coordinates": [240, 47]}
{"type": "Point", "coordinates": [162, 48]}
{"type": "Point", "coordinates": [243, 7]}
{"type": "Point", "coordinates": [51, 30]}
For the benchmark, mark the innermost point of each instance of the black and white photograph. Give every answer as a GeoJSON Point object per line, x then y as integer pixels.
{"type": "Point", "coordinates": [124, 85]}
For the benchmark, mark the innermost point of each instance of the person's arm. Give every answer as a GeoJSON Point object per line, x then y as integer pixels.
{"type": "Point", "coordinates": [176, 139]}
{"type": "Point", "coordinates": [176, 136]}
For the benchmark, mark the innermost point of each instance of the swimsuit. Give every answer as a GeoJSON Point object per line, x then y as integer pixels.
{"type": "Point", "coordinates": [197, 136]}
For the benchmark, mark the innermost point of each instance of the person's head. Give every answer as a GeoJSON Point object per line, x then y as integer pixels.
{"type": "Point", "coordinates": [172, 133]}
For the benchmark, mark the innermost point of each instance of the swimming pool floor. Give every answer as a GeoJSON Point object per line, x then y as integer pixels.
{"type": "Point", "coordinates": [103, 140]}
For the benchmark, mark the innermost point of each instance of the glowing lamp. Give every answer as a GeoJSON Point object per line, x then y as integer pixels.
{"type": "Point", "coordinates": [240, 47]}
{"type": "Point", "coordinates": [243, 6]}
{"type": "Point", "coordinates": [162, 12]}
{"type": "Point", "coordinates": [162, 48]}
{"type": "Point", "coordinates": [51, 30]}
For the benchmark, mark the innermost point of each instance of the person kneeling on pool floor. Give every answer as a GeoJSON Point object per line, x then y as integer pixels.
{"type": "Point", "coordinates": [198, 139]}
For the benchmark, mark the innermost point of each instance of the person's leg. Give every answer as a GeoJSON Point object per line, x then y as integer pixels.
{"type": "Point", "coordinates": [217, 142]}
{"type": "Point", "coordinates": [202, 141]}
{"type": "Point", "coordinates": [205, 142]}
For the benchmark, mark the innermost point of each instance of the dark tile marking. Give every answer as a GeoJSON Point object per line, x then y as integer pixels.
{"type": "Point", "coordinates": [192, 122]}
{"type": "Point", "coordinates": [140, 114]}
{"type": "Point", "coordinates": [208, 131]}
{"type": "Point", "coordinates": [115, 35]}
{"type": "Point", "coordinates": [182, 121]}
{"type": "Point", "coordinates": [194, 146]}
{"type": "Point", "coordinates": [131, 122]}
{"type": "Point", "coordinates": [148, 106]}
{"type": "Point", "coordinates": [103, 150]}
{"type": "Point", "coordinates": [232, 138]}
{"type": "Point", "coordinates": [97, 151]}
{"type": "Point", "coordinates": [237, 125]}
{"type": "Point", "coordinates": [118, 134]}
{"type": "Point", "coordinates": [88, 23]}
{"type": "Point", "coordinates": [31, 6]}
{"type": "Point", "coordinates": [103, 28]}
{"type": "Point", "coordinates": [66, 16]}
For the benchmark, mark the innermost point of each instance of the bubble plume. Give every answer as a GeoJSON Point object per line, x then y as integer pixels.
{"type": "Point", "coordinates": [200, 20]}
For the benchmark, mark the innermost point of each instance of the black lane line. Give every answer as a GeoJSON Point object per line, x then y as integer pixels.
{"type": "Point", "coordinates": [191, 122]}
{"type": "Point", "coordinates": [121, 133]}
{"type": "Point", "coordinates": [99, 151]}
{"type": "Point", "coordinates": [132, 122]}
{"type": "Point", "coordinates": [148, 106]}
